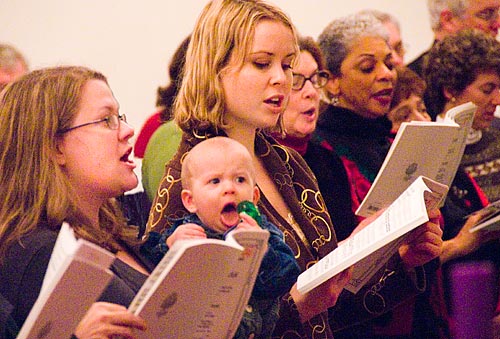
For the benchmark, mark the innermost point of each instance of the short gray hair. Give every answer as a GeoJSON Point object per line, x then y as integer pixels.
{"type": "Point", "coordinates": [382, 16]}
{"type": "Point", "coordinates": [435, 7]}
{"type": "Point", "coordinates": [338, 37]}
{"type": "Point", "coordinates": [10, 56]}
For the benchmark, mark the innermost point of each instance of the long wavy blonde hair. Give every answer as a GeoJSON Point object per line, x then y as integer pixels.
{"type": "Point", "coordinates": [34, 189]}
{"type": "Point", "coordinates": [224, 29]}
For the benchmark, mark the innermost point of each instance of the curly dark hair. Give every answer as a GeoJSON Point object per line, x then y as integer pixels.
{"type": "Point", "coordinates": [166, 95]}
{"type": "Point", "coordinates": [455, 62]}
{"type": "Point", "coordinates": [408, 83]}
{"type": "Point", "coordinates": [307, 43]}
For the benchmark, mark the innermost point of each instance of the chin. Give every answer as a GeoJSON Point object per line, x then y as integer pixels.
{"type": "Point", "coordinates": [130, 185]}
{"type": "Point", "coordinates": [300, 134]}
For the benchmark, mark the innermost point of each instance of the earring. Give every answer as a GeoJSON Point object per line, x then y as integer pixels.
{"type": "Point", "coordinates": [334, 101]}
{"type": "Point", "coordinates": [453, 99]}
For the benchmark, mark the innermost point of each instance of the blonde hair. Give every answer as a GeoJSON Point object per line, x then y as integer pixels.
{"type": "Point", "coordinates": [225, 29]}
{"type": "Point", "coordinates": [34, 189]}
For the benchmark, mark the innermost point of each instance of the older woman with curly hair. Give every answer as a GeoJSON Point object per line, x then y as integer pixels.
{"type": "Point", "coordinates": [461, 68]}
{"type": "Point", "coordinates": [466, 67]}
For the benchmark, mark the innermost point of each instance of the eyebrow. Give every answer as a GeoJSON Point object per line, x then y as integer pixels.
{"type": "Point", "coordinates": [292, 54]}
{"type": "Point", "coordinates": [315, 71]}
{"type": "Point", "coordinates": [110, 107]}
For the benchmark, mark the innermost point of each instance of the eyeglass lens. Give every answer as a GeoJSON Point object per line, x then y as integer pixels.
{"type": "Point", "coordinates": [113, 120]}
{"type": "Point", "coordinates": [318, 80]}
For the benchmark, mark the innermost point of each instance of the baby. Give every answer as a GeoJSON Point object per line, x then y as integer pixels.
{"type": "Point", "coordinates": [218, 174]}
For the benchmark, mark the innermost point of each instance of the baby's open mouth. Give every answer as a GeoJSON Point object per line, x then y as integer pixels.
{"type": "Point", "coordinates": [229, 215]}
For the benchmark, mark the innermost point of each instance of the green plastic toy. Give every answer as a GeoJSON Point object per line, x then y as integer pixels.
{"type": "Point", "coordinates": [249, 208]}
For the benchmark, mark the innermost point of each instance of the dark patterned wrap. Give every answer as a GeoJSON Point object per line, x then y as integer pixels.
{"type": "Point", "coordinates": [482, 161]}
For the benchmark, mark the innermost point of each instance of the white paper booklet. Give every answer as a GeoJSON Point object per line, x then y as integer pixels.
{"type": "Point", "coordinates": [77, 273]}
{"type": "Point", "coordinates": [430, 149]}
{"type": "Point", "coordinates": [370, 248]}
{"type": "Point", "coordinates": [201, 287]}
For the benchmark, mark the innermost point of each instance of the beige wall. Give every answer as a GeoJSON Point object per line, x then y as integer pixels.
{"type": "Point", "coordinates": [132, 41]}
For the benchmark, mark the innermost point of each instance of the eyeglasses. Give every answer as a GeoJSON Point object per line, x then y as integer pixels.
{"type": "Point", "coordinates": [112, 120]}
{"type": "Point", "coordinates": [318, 79]}
{"type": "Point", "coordinates": [488, 14]}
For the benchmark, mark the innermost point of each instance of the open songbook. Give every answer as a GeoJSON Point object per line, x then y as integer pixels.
{"type": "Point", "coordinates": [431, 149]}
{"type": "Point", "coordinates": [77, 273]}
{"type": "Point", "coordinates": [372, 246]}
{"type": "Point", "coordinates": [490, 218]}
{"type": "Point", "coordinates": [201, 287]}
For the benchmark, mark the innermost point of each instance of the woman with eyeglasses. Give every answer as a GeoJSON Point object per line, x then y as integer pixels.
{"type": "Point", "coordinates": [64, 156]}
{"type": "Point", "coordinates": [299, 121]}
{"type": "Point", "coordinates": [302, 111]}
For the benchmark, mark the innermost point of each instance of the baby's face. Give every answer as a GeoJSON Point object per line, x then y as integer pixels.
{"type": "Point", "coordinates": [218, 183]}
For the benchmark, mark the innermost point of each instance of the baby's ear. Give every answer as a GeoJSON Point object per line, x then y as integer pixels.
{"type": "Point", "coordinates": [188, 201]}
{"type": "Point", "coordinates": [256, 195]}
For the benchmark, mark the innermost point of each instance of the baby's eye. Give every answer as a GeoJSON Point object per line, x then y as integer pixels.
{"type": "Point", "coordinates": [240, 179]}
{"type": "Point", "coordinates": [214, 181]}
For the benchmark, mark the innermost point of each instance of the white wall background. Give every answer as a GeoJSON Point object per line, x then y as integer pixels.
{"type": "Point", "coordinates": [132, 41]}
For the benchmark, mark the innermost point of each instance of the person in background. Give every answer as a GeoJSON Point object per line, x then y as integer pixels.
{"type": "Point", "coordinates": [12, 64]}
{"type": "Point", "coordinates": [466, 67]}
{"type": "Point", "coordinates": [461, 68]}
{"type": "Point", "coordinates": [160, 149]}
{"type": "Point", "coordinates": [355, 128]}
{"type": "Point", "coordinates": [360, 92]}
{"type": "Point", "coordinates": [302, 111]}
{"type": "Point", "coordinates": [300, 119]}
{"type": "Point", "coordinates": [451, 16]}
{"type": "Point", "coordinates": [237, 81]}
{"type": "Point", "coordinates": [408, 99]}
{"type": "Point", "coordinates": [163, 142]}
{"type": "Point", "coordinates": [217, 175]}
{"type": "Point", "coordinates": [63, 124]}
{"type": "Point", "coordinates": [393, 27]}
{"type": "Point", "coordinates": [299, 122]}
{"type": "Point", "coordinates": [162, 136]}
{"type": "Point", "coordinates": [164, 100]}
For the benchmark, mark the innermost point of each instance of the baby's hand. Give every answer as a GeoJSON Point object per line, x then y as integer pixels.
{"type": "Point", "coordinates": [186, 231]}
{"type": "Point", "coordinates": [247, 222]}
